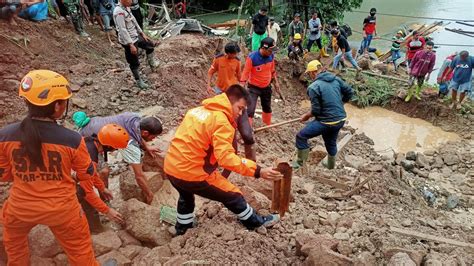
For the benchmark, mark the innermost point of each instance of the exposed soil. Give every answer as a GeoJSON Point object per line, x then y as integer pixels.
{"type": "Point", "coordinates": [359, 224]}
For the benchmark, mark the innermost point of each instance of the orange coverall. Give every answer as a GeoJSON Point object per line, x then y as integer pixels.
{"type": "Point", "coordinates": [46, 194]}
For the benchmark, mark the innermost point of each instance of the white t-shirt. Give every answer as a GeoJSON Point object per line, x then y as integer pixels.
{"type": "Point", "coordinates": [274, 31]}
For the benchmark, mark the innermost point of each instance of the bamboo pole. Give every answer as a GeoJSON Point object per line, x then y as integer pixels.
{"type": "Point", "coordinates": [277, 125]}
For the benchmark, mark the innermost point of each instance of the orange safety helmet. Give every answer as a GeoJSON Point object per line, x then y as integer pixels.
{"type": "Point", "coordinates": [42, 87]}
{"type": "Point", "coordinates": [114, 136]}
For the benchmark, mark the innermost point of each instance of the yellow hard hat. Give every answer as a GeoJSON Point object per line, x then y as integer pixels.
{"type": "Point", "coordinates": [42, 87]}
{"type": "Point", "coordinates": [313, 66]}
{"type": "Point", "coordinates": [400, 32]}
{"type": "Point", "coordinates": [297, 36]}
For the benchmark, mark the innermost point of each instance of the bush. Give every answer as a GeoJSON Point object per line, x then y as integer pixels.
{"type": "Point", "coordinates": [372, 92]}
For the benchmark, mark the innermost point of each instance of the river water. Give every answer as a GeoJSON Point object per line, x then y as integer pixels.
{"type": "Point", "coordinates": [388, 25]}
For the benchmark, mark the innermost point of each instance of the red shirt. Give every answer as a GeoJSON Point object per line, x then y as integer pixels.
{"type": "Point", "coordinates": [369, 24]}
{"type": "Point", "coordinates": [414, 46]}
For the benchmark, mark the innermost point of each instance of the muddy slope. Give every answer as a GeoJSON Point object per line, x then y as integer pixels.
{"type": "Point", "coordinates": [321, 227]}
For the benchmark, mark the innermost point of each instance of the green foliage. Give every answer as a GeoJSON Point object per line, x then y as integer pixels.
{"type": "Point", "coordinates": [334, 9]}
{"type": "Point", "coordinates": [372, 92]}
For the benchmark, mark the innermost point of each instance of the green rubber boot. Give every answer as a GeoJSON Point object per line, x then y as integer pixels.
{"type": "Point", "coordinates": [418, 93]}
{"type": "Point", "coordinates": [301, 159]}
{"type": "Point", "coordinates": [410, 94]}
{"type": "Point", "coordinates": [331, 162]}
{"type": "Point", "coordinates": [141, 84]}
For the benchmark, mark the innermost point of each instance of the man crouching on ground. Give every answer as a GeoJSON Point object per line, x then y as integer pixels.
{"type": "Point", "coordinates": [202, 143]}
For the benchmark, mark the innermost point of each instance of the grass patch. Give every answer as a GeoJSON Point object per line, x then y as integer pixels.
{"type": "Point", "coordinates": [373, 91]}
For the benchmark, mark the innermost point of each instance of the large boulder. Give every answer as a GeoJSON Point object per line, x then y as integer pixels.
{"type": "Point", "coordinates": [117, 256]}
{"type": "Point", "coordinates": [156, 256]}
{"type": "Point", "coordinates": [106, 242]}
{"type": "Point", "coordinates": [306, 240]}
{"type": "Point", "coordinates": [42, 242]}
{"type": "Point", "coordinates": [143, 222]}
{"type": "Point", "coordinates": [129, 188]}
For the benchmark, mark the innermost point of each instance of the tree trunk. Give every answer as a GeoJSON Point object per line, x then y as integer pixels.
{"type": "Point", "coordinates": [270, 5]}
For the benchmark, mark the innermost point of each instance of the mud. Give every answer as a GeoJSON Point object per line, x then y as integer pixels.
{"type": "Point", "coordinates": [359, 224]}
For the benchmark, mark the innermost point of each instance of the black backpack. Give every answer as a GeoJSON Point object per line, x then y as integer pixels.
{"type": "Point", "coordinates": [347, 29]}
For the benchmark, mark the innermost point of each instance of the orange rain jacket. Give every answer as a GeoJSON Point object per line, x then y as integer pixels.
{"type": "Point", "coordinates": [203, 142]}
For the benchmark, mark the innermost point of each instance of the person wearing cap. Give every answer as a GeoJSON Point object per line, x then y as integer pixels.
{"type": "Point", "coordinates": [295, 49]}
{"type": "Point", "coordinates": [421, 67]}
{"type": "Point", "coordinates": [141, 130]}
{"type": "Point", "coordinates": [327, 94]}
{"type": "Point", "coordinates": [227, 67]}
{"type": "Point", "coordinates": [414, 44]}
{"type": "Point", "coordinates": [259, 73]}
{"type": "Point", "coordinates": [461, 82]}
{"type": "Point", "coordinates": [259, 28]}
{"type": "Point", "coordinates": [274, 30]}
{"type": "Point", "coordinates": [109, 138]}
{"type": "Point", "coordinates": [296, 26]}
{"type": "Point", "coordinates": [397, 40]}
{"type": "Point", "coordinates": [343, 45]}
{"type": "Point", "coordinates": [315, 27]}
{"type": "Point", "coordinates": [369, 29]}
{"type": "Point", "coordinates": [202, 143]}
{"type": "Point", "coordinates": [38, 156]}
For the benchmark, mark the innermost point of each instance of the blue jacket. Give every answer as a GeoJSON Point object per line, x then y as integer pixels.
{"type": "Point", "coordinates": [328, 94]}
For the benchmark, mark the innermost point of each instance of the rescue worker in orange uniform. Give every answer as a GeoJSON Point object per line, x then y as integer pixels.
{"type": "Point", "coordinates": [202, 143]}
{"type": "Point", "coordinates": [227, 67]}
{"type": "Point", "coordinates": [259, 72]}
{"type": "Point", "coordinates": [38, 155]}
{"type": "Point", "coordinates": [109, 138]}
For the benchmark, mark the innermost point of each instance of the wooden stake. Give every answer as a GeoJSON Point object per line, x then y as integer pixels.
{"type": "Point", "coordinates": [431, 237]}
{"type": "Point", "coordinates": [282, 189]}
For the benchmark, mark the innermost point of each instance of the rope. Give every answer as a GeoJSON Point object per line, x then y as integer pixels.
{"type": "Point", "coordinates": [437, 44]}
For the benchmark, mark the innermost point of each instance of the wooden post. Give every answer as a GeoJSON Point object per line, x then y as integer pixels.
{"type": "Point", "coordinates": [282, 188]}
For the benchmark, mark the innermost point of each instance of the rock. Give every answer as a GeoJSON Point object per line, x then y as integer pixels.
{"type": "Point", "coordinates": [127, 239]}
{"type": "Point", "coordinates": [399, 157]}
{"type": "Point", "coordinates": [213, 209]}
{"type": "Point", "coordinates": [345, 248]}
{"type": "Point", "coordinates": [11, 85]}
{"type": "Point", "coordinates": [322, 256]}
{"type": "Point", "coordinates": [255, 199]}
{"type": "Point", "coordinates": [43, 243]}
{"type": "Point", "coordinates": [142, 254]}
{"type": "Point", "coordinates": [429, 152]}
{"type": "Point", "coordinates": [354, 161]}
{"type": "Point", "coordinates": [333, 218]}
{"type": "Point", "coordinates": [306, 239]}
{"type": "Point", "coordinates": [421, 160]}
{"type": "Point", "coordinates": [407, 223]}
{"type": "Point", "coordinates": [450, 159]}
{"type": "Point", "coordinates": [176, 260]}
{"type": "Point", "coordinates": [75, 87]}
{"type": "Point", "coordinates": [432, 262]}
{"type": "Point", "coordinates": [129, 188]}
{"type": "Point", "coordinates": [228, 234]}
{"type": "Point", "coordinates": [438, 162]}
{"type": "Point", "coordinates": [383, 68]}
{"type": "Point", "coordinates": [143, 223]}
{"type": "Point", "coordinates": [411, 155]}
{"type": "Point", "coordinates": [105, 242]}
{"type": "Point", "coordinates": [262, 230]}
{"type": "Point", "coordinates": [119, 257]}
{"type": "Point", "coordinates": [79, 102]}
{"type": "Point", "coordinates": [156, 256]}
{"type": "Point", "coordinates": [345, 221]}
{"type": "Point", "coordinates": [395, 191]}
{"type": "Point", "coordinates": [365, 259]}
{"type": "Point", "coordinates": [401, 259]}
{"type": "Point", "coordinates": [38, 261]}
{"type": "Point", "coordinates": [310, 221]}
{"type": "Point", "coordinates": [342, 236]}
{"type": "Point", "coordinates": [61, 260]}
{"type": "Point", "coordinates": [420, 173]}
{"type": "Point", "coordinates": [408, 165]}
{"type": "Point", "coordinates": [435, 176]}
{"type": "Point", "coordinates": [365, 63]}
{"type": "Point", "coordinates": [452, 202]}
